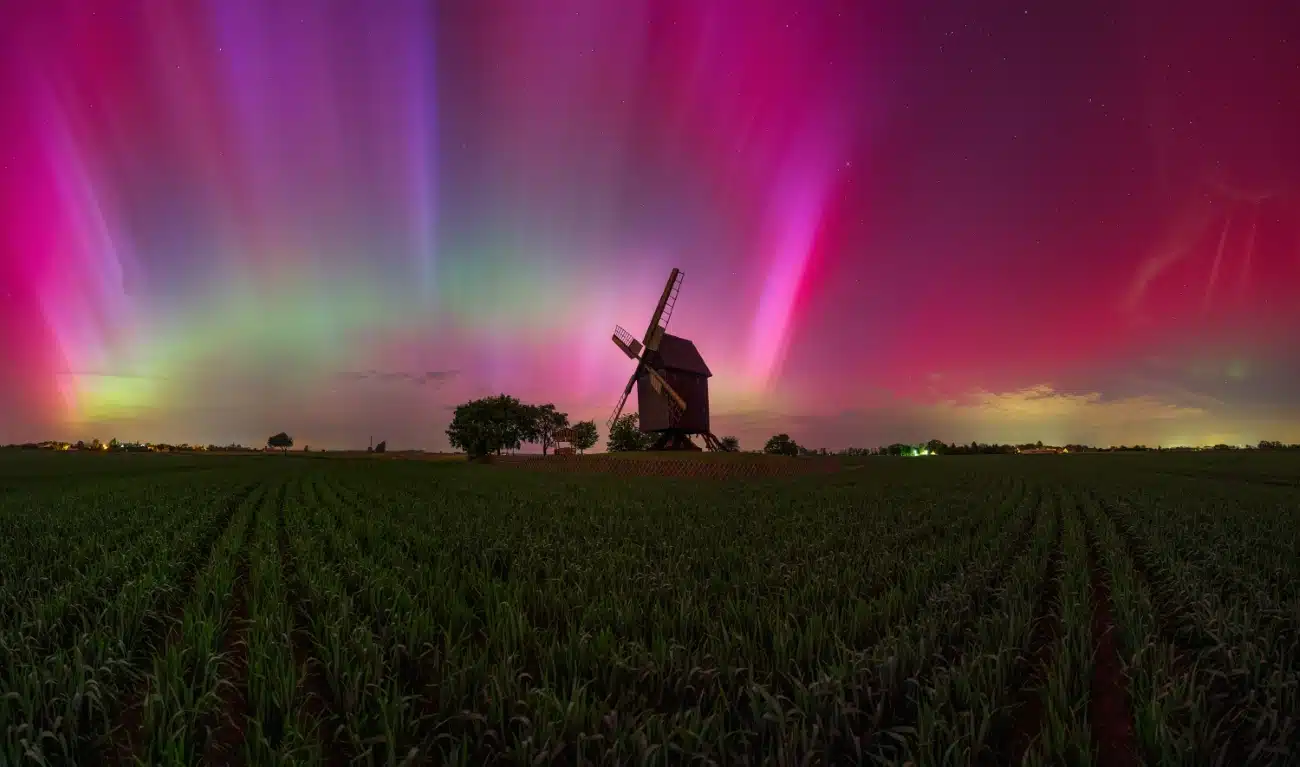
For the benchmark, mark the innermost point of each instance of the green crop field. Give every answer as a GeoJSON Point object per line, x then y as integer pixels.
{"type": "Point", "coordinates": [1093, 609]}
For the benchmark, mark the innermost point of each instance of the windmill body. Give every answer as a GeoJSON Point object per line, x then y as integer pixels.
{"type": "Point", "coordinates": [671, 380]}
{"type": "Point", "coordinates": [679, 363]}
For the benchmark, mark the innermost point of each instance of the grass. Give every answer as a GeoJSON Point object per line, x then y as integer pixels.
{"type": "Point", "coordinates": [169, 609]}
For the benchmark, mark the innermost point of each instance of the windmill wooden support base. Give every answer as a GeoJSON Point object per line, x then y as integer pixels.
{"type": "Point", "coordinates": [672, 440]}
{"type": "Point", "coordinates": [676, 440]}
{"type": "Point", "coordinates": [714, 443]}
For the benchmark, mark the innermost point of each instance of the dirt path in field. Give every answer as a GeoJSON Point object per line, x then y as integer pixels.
{"type": "Point", "coordinates": [1033, 668]}
{"type": "Point", "coordinates": [227, 723]}
{"type": "Point", "coordinates": [1109, 710]}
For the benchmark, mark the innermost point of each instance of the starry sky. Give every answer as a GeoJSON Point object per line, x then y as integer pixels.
{"type": "Point", "coordinates": [993, 221]}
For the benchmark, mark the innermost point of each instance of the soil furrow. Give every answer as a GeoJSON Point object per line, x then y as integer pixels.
{"type": "Point", "coordinates": [1168, 606]}
{"type": "Point", "coordinates": [1196, 652]}
{"type": "Point", "coordinates": [897, 709]}
{"type": "Point", "coordinates": [1109, 710]}
{"type": "Point", "coordinates": [318, 703]}
{"type": "Point", "coordinates": [125, 739]}
{"type": "Point", "coordinates": [226, 724]}
{"type": "Point", "coordinates": [1033, 667]}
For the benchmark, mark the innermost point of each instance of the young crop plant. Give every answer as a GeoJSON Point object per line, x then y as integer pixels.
{"type": "Point", "coordinates": [1065, 734]}
{"type": "Point", "coordinates": [276, 726]}
{"type": "Point", "coordinates": [183, 690]}
{"type": "Point", "coordinates": [1162, 682]}
{"type": "Point", "coordinates": [963, 704]}
{"type": "Point", "coordinates": [1240, 642]}
{"type": "Point", "coordinates": [63, 689]}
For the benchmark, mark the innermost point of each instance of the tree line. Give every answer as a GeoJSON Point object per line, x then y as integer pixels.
{"type": "Point", "coordinates": [782, 444]}
{"type": "Point", "coordinates": [492, 425]}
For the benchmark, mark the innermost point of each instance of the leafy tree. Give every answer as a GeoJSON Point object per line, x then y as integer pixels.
{"type": "Point", "coordinates": [490, 425]}
{"type": "Point", "coordinates": [547, 421]}
{"type": "Point", "coordinates": [730, 444]}
{"type": "Point", "coordinates": [585, 435]}
{"type": "Point", "coordinates": [282, 441]}
{"type": "Point", "coordinates": [382, 447]}
{"type": "Point", "coordinates": [625, 436]}
{"type": "Point", "coordinates": [113, 444]}
{"type": "Point", "coordinates": [936, 446]}
{"type": "Point", "coordinates": [781, 444]}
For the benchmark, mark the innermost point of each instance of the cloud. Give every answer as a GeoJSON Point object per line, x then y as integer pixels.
{"type": "Point", "coordinates": [419, 379]}
{"type": "Point", "coordinates": [1042, 404]}
{"type": "Point", "coordinates": [96, 374]}
{"type": "Point", "coordinates": [1033, 413]}
{"type": "Point", "coordinates": [440, 375]}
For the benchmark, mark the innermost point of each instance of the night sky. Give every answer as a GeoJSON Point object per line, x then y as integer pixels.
{"type": "Point", "coordinates": [993, 221]}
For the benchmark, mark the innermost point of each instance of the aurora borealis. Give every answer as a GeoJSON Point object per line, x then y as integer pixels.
{"type": "Point", "coordinates": [339, 218]}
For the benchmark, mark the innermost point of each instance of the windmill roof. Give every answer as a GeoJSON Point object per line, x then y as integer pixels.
{"type": "Point", "coordinates": [677, 353]}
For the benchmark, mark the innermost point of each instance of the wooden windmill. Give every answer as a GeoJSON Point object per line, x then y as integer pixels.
{"type": "Point", "coordinates": [671, 380]}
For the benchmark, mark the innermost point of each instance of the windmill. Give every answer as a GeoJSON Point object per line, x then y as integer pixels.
{"type": "Point", "coordinates": [671, 380]}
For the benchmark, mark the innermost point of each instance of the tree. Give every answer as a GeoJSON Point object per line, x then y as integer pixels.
{"type": "Point", "coordinates": [113, 444]}
{"type": "Point", "coordinates": [936, 446]}
{"type": "Point", "coordinates": [585, 436]}
{"type": "Point", "coordinates": [282, 441]}
{"type": "Point", "coordinates": [382, 447]}
{"type": "Point", "coordinates": [547, 420]}
{"type": "Point", "coordinates": [730, 444]}
{"type": "Point", "coordinates": [625, 436]}
{"type": "Point", "coordinates": [781, 444]}
{"type": "Point", "coordinates": [491, 424]}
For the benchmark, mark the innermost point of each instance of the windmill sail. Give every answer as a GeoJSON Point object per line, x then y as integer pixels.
{"type": "Point", "coordinates": [660, 385]}
{"type": "Point", "coordinates": [631, 382]}
{"type": "Point", "coordinates": [664, 311]}
{"type": "Point", "coordinates": [630, 346]}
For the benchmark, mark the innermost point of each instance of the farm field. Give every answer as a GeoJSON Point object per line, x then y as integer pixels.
{"type": "Point", "coordinates": [216, 610]}
{"type": "Point", "coordinates": [715, 466]}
